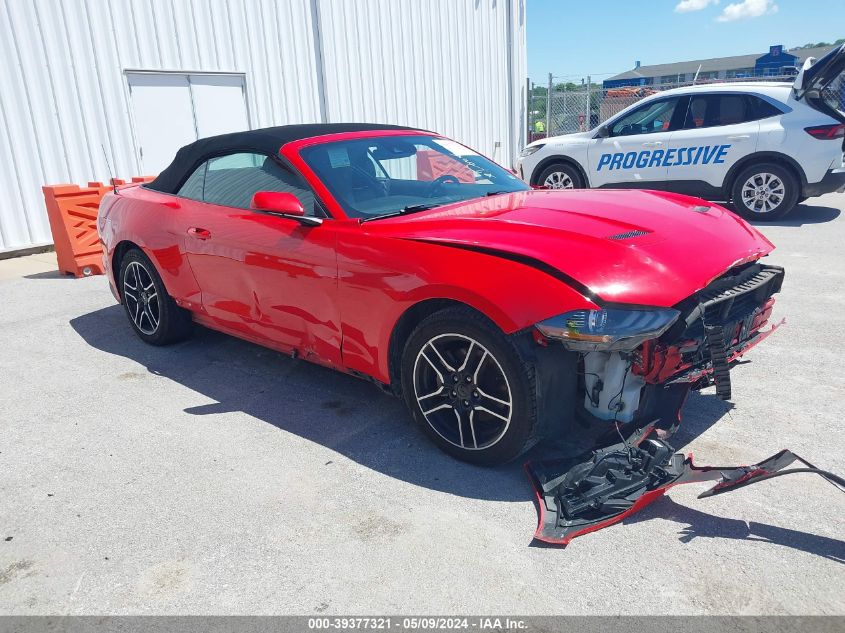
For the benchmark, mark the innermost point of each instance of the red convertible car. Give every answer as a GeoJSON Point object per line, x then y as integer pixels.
{"type": "Point", "coordinates": [502, 315]}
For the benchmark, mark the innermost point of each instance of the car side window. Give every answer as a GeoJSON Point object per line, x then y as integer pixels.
{"type": "Point", "coordinates": [716, 110]}
{"type": "Point", "coordinates": [648, 119]}
{"type": "Point", "coordinates": [726, 109]}
{"type": "Point", "coordinates": [762, 109]}
{"type": "Point", "coordinates": [696, 111]}
{"type": "Point", "coordinates": [732, 109]}
{"type": "Point", "coordinates": [193, 185]}
{"type": "Point", "coordinates": [233, 179]}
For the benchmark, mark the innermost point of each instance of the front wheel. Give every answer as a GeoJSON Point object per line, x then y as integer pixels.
{"type": "Point", "coordinates": [467, 386]}
{"type": "Point", "coordinates": [765, 191]}
{"type": "Point", "coordinates": [560, 176]}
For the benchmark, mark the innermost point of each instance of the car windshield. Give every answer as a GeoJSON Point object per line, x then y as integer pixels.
{"type": "Point", "coordinates": [374, 177]}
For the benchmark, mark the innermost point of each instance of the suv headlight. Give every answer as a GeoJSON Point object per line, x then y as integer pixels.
{"type": "Point", "coordinates": [606, 330]}
{"type": "Point", "coordinates": [530, 150]}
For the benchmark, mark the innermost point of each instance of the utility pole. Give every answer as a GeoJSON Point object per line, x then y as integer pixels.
{"type": "Point", "coordinates": [549, 107]}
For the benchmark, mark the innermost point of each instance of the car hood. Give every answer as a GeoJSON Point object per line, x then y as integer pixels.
{"type": "Point", "coordinates": [562, 139]}
{"type": "Point", "coordinates": [622, 246]}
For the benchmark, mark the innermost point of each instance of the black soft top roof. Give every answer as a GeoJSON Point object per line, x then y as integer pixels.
{"type": "Point", "coordinates": [267, 140]}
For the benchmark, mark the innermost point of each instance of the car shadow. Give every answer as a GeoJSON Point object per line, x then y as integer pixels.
{"type": "Point", "coordinates": [698, 524]}
{"type": "Point", "coordinates": [804, 214]}
{"type": "Point", "coordinates": [340, 412]}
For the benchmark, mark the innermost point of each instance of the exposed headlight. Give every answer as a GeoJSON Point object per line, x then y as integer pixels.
{"type": "Point", "coordinates": [530, 150]}
{"type": "Point", "coordinates": [606, 330]}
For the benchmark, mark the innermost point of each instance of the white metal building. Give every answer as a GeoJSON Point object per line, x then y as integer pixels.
{"type": "Point", "coordinates": [136, 79]}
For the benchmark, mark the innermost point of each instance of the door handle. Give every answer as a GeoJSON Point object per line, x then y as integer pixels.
{"type": "Point", "coordinates": [739, 137]}
{"type": "Point", "coordinates": [653, 144]}
{"type": "Point", "coordinates": [199, 233]}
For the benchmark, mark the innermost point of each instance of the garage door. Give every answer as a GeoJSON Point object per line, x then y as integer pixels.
{"type": "Point", "coordinates": [170, 110]}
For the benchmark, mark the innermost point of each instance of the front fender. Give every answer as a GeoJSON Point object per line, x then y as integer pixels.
{"type": "Point", "coordinates": [381, 278]}
{"type": "Point", "coordinates": [553, 154]}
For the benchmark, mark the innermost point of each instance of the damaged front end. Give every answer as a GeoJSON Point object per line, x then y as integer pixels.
{"type": "Point", "coordinates": [717, 326]}
{"type": "Point", "coordinates": [635, 366]}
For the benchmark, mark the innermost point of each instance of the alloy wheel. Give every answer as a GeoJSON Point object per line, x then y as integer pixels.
{"type": "Point", "coordinates": [558, 180]}
{"type": "Point", "coordinates": [763, 193]}
{"type": "Point", "coordinates": [462, 391]}
{"type": "Point", "coordinates": [141, 298]}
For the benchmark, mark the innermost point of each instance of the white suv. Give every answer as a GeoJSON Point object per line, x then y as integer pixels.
{"type": "Point", "coordinates": [764, 146]}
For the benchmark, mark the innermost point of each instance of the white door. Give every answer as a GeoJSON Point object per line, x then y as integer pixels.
{"type": "Point", "coordinates": [219, 104]}
{"type": "Point", "coordinates": [635, 150]}
{"type": "Point", "coordinates": [163, 116]}
{"type": "Point", "coordinates": [172, 109]}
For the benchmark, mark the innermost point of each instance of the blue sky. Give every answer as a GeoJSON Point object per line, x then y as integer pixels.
{"type": "Point", "coordinates": [573, 38]}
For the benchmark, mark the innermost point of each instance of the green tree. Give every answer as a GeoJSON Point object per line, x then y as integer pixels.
{"type": "Point", "coordinates": [820, 44]}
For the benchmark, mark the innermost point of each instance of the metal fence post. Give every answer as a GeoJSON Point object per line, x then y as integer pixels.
{"type": "Point", "coordinates": [587, 105]}
{"type": "Point", "coordinates": [549, 108]}
{"type": "Point", "coordinates": [565, 106]}
{"type": "Point", "coordinates": [526, 132]}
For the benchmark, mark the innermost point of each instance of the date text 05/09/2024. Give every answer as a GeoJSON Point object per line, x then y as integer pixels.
{"type": "Point", "coordinates": [482, 623]}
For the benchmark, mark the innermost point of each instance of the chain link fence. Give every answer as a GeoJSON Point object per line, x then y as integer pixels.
{"type": "Point", "coordinates": [569, 107]}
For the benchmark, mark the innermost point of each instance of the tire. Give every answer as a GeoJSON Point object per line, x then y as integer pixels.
{"type": "Point", "coordinates": [774, 184]}
{"type": "Point", "coordinates": [565, 174]}
{"type": "Point", "coordinates": [145, 298]}
{"type": "Point", "coordinates": [456, 363]}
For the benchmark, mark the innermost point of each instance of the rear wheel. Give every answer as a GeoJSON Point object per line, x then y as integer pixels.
{"type": "Point", "coordinates": [467, 386]}
{"type": "Point", "coordinates": [152, 312]}
{"type": "Point", "coordinates": [764, 191]}
{"type": "Point", "coordinates": [560, 176]}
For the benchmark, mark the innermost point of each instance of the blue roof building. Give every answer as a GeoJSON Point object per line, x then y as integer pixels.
{"type": "Point", "coordinates": [777, 62]}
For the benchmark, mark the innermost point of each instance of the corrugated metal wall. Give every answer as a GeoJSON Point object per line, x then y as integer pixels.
{"type": "Point", "coordinates": [456, 66]}
{"type": "Point", "coordinates": [441, 65]}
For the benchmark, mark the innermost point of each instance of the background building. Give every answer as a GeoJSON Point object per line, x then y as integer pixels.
{"type": "Point", "coordinates": [776, 63]}
{"type": "Point", "coordinates": [134, 80]}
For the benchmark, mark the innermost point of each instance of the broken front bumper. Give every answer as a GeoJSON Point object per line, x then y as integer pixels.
{"type": "Point", "coordinates": [600, 488]}
{"type": "Point", "coordinates": [718, 325]}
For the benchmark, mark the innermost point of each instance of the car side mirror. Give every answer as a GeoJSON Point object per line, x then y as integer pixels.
{"type": "Point", "coordinates": [283, 204]}
{"type": "Point", "coordinates": [603, 132]}
{"type": "Point", "coordinates": [277, 202]}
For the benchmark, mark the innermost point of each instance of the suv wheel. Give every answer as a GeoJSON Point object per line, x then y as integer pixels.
{"type": "Point", "coordinates": [765, 191]}
{"type": "Point", "coordinates": [468, 387]}
{"type": "Point", "coordinates": [560, 176]}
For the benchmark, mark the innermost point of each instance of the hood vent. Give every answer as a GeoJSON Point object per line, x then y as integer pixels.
{"type": "Point", "coordinates": [628, 234]}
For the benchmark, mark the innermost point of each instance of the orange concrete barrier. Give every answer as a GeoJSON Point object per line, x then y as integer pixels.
{"type": "Point", "coordinates": [431, 165]}
{"type": "Point", "coordinates": [72, 211]}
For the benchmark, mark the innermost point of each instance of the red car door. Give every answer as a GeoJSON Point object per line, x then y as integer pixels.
{"type": "Point", "coordinates": [263, 277]}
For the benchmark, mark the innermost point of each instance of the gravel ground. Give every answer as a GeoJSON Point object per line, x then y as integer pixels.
{"type": "Point", "coordinates": [219, 477]}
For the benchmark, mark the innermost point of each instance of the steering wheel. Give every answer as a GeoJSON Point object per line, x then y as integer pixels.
{"type": "Point", "coordinates": [445, 179]}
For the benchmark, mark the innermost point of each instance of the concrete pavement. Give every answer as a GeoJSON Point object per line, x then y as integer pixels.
{"type": "Point", "coordinates": [216, 476]}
